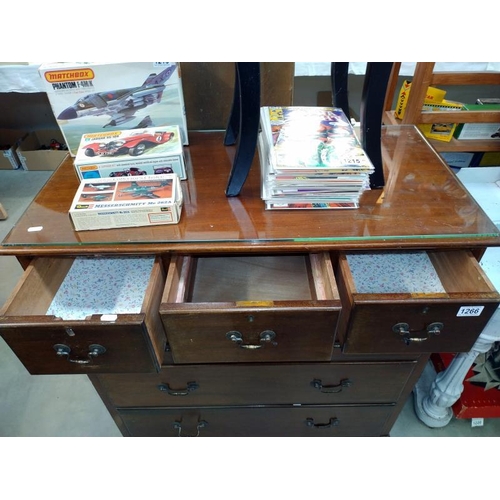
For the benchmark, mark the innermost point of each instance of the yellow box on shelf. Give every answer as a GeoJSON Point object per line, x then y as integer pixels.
{"type": "Point", "coordinates": [433, 95]}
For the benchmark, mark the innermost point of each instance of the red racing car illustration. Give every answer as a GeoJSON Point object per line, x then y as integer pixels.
{"type": "Point", "coordinates": [135, 145]}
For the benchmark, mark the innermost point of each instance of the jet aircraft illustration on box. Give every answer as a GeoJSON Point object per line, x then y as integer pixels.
{"type": "Point", "coordinates": [140, 191]}
{"type": "Point", "coordinates": [122, 104]}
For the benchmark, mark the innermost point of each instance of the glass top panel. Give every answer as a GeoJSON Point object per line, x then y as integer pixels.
{"type": "Point", "coordinates": [422, 204]}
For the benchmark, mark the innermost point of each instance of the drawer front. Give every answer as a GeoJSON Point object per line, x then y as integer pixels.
{"type": "Point", "coordinates": [411, 328]}
{"type": "Point", "coordinates": [94, 342]}
{"type": "Point", "coordinates": [441, 307]}
{"type": "Point", "coordinates": [250, 309]}
{"type": "Point", "coordinates": [50, 349]}
{"type": "Point", "coordinates": [246, 336]}
{"type": "Point", "coordinates": [223, 385]}
{"type": "Point", "coordinates": [263, 422]}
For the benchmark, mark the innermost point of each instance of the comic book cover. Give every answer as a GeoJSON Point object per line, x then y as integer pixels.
{"type": "Point", "coordinates": [315, 138]}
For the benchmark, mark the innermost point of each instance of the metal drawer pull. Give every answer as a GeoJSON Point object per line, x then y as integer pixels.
{"type": "Point", "coordinates": [191, 386]}
{"type": "Point", "coordinates": [266, 336]}
{"type": "Point", "coordinates": [404, 330]}
{"type": "Point", "coordinates": [199, 425]}
{"type": "Point", "coordinates": [331, 389]}
{"type": "Point", "coordinates": [334, 422]}
{"type": "Point", "coordinates": [94, 351]}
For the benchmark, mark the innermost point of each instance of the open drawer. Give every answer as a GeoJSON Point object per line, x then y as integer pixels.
{"type": "Point", "coordinates": [413, 302]}
{"type": "Point", "coordinates": [250, 308]}
{"type": "Point", "coordinates": [87, 315]}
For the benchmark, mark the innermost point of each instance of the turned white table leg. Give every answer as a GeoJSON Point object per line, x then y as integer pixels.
{"type": "Point", "coordinates": [433, 401]}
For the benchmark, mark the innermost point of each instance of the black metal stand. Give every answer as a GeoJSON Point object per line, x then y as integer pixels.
{"type": "Point", "coordinates": [243, 125]}
{"type": "Point", "coordinates": [339, 74]}
{"type": "Point", "coordinates": [372, 107]}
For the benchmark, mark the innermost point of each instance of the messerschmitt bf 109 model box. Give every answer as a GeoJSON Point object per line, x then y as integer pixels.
{"type": "Point", "coordinates": [94, 97]}
{"type": "Point", "coordinates": [127, 202]}
{"type": "Point", "coordinates": [125, 153]}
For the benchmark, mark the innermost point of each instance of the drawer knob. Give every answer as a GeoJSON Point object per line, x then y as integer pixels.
{"type": "Point", "coordinates": [334, 422]}
{"type": "Point", "coordinates": [331, 389]}
{"type": "Point", "coordinates": [404, 330]}
{"type": "Point", "coordinates": [191, 386]}
{"type": "Point", "coordinates": [199, 425]}
{"type": "Point", "coordinates": [94, 351]}
{"type": "Point", "coordinates": [266, 337]}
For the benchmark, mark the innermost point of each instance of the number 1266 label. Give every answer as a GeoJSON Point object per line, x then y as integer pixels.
{"type": "Point", "coordinates": [470, 310]}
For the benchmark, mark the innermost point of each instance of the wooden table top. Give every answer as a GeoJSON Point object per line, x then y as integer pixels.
{"type": "Point", "coordinates": [423, 205]}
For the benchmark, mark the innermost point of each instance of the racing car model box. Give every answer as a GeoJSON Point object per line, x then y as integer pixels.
{"type": "Point", "coordinates": [125, 202]}
{"type": "Point", "coordinates": [126, 153]}
{"type": "Point", "coordinates": [97, 97]}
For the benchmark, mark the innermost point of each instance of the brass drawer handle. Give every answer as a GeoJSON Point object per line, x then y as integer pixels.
{"type": "Point", "coordinates": [94, 351]}
{"type": "Point", "coordinates": [334, 422]}
{"type": "Point", "coordinates": [266, 337]}
{"type": "Point", "coordinates": [200, 425]}
{"type": "Point", "coordinates": [191, 386]}
{"type": "Point", "coordinates": [331, 389]}
{"type": "Point", "coordinates": [404, 330]}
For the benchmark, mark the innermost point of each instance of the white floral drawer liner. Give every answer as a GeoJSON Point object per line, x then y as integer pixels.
{"type": "Point", "coordinates": [394, 272]}
{"type": "Point", "coordinates": [100, 285]}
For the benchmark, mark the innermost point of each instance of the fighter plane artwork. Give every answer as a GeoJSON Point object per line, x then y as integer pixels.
{"type": "Point", "coordinates": [137, 190]}
{"type": "Point", "coordinates": [121, 104]}
{"type": "Point", "coordinates": [101, 187]}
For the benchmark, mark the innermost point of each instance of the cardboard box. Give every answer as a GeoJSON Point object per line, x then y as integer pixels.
{"type": "Point", "coordinates": [97, 97]}
{"type": "Point", "coordinates": [125, 153]}
{"type": "Point", "coordinates": [9, 139]}
{"type": "Point", "coordinates": [475, 131]}
{"type": "Point", "coordinates": [127, 202]}
{"type": "Point", "coordinates": [35, 153]}
{"type": "Point", "coordinates": [433, 95]}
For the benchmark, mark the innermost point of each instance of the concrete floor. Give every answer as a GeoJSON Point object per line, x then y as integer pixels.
{"type": "Point", "coordinates": [53, 406]}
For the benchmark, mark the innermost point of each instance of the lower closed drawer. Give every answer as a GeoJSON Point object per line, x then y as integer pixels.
{"type": "Point", "coordinates": [328, 383]}
{"type": "Point", "coordinates": [263, 422]}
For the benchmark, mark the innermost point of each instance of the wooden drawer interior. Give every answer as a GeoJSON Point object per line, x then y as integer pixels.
{"type": "Point", "coordinates": [60, 297]}
{"type": "Point", "coordinates": [217, 295]}
{"type": "Point", "coordinates": [250, 278]}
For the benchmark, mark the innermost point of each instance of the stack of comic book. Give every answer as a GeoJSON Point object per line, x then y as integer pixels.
{"type": "Point", "coordinates": [311, 159]}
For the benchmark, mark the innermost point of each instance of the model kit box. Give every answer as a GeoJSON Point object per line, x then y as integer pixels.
{"type": "Point", "coordinates": [479, 131]}
{"type": "Point", "coordinates": [461, 160]}
{"type": "Point", "coordinates": [9, 139]}
{"type": "Point", "coordinates": [433, 95]}
{"type": "Point", "coordinates": [124, 202]}
{"type": "Point", "coordinates": [440, 131]}
{"type": "Point", "coordinates": [490, 159]}
{"type": "Point", "coordinates": [42, 150]}
{"type": "Point", "coordinates": [95, 97]}
{"type": "Point", "coordinates": [125, 153]}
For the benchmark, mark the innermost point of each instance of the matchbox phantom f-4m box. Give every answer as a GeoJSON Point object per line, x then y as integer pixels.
{"type": "Point", "coordinates": [94, 97]}
{"type": "Point", "coordinates": [126, 153]}
{"type": "Point", "coordinates": [127, 202]}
